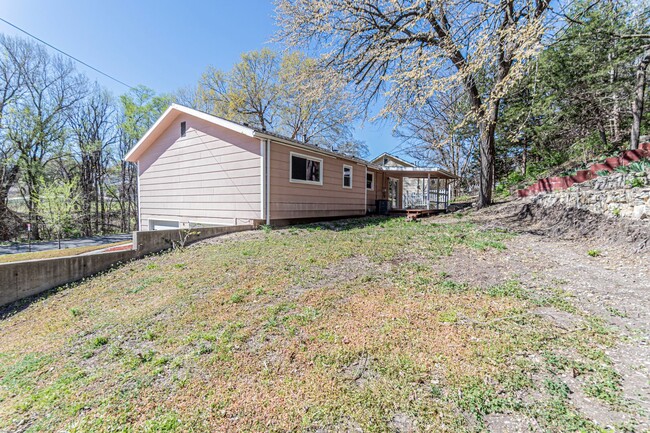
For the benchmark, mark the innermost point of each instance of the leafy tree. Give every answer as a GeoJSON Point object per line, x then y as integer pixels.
{"type": "Point", "coordinates": [574, 103]}
{"type": "Point", "coordinates": [140, 108]}
{"type": "Point", "coordinates": [56, 205]}
{"type": "Point", "coordinates": [289, 94]}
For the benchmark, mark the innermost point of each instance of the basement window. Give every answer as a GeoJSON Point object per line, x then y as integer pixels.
{"type": "Point", "coordinates": [183, 129]}
{"type": "Point", "coordinates": [305, 169]}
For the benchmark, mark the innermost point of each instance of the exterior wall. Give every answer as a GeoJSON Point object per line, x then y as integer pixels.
{"type": "Point", "coordinates": [211, 176]}
{"type": "Point", "coordinates": [297, 200]}
{"type": "Point", "coordinates": [378, 192]}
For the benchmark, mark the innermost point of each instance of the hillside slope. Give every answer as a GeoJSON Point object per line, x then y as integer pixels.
{"type": "Point", "coordinates": [362, 325]}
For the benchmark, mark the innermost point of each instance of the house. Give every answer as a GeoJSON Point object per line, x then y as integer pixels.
{"type": "Point", "coordinates": [196, 169]}
{"type": "Point", "coordinates": [413, 189]}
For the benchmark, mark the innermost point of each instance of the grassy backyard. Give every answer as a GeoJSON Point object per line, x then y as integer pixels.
{"type": "Point", "coordinates": [341, 326]}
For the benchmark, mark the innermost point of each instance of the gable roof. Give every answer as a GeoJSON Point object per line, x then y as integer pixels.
{"type": "Point", "coordinates": [174, 110]}
{"type": "Point", "coordinates": [389, 155]}
{"type": "Point", "coordinates": [169, 115]}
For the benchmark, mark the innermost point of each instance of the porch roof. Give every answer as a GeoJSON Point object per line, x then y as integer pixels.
{"type": "Point", "coordinates": [418, 172]}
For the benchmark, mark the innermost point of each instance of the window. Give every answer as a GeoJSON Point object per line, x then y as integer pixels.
{"type": "Point", "coordinates": [305, 169]}
{"type": "Point", "coordinates": [347, 176]}
{"type": "Point", "coordinates": [385, 161]}
{"type": "Point", "coordinates": [183, 129]}
{"type": "Point", "coordinates": [163, 225]}
{"type": "Point", "coordinates": [370, 181]}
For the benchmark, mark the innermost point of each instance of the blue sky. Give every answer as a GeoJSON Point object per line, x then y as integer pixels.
{"type": "Point", "coordinates": [163, 45]}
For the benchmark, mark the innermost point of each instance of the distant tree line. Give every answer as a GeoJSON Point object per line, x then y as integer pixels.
{"type": "Point", "coordinates": [63, 138]}
{"type": "Point", "coordinates": [62, 143]}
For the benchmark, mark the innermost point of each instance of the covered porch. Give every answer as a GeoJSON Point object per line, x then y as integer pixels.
{"type": "Point", "coordinates": [417, 188]}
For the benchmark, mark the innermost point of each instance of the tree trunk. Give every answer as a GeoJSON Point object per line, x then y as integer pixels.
{"type": "Point", "coordinates": [637, 103]}
{"type": "Point", "coordinates": [487, 155]}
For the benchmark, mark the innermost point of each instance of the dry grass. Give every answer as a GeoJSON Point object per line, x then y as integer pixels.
{"type": "Point", "coordinates": [52, 254]}
{"type": "Point", "coordinates": [333, 326]}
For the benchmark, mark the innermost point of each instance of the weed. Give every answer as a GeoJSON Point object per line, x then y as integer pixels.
{"type": "Point", "coordinates": [449, 316]}
{"type": "Point", "coordinates": [594, 253]}
{"type": "Point", "coordinates": [99, 342]}
{"type": "Point", "coordinates": [615, 312]}
{"type": "Point", "coordinates": [557, 388]}
{"type": "Point", "coordinates": [636, 182]}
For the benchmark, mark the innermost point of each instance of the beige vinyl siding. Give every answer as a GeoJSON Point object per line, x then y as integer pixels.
{"type": "Point", "coordinates": [378, 192]}
{"type": "Point", "coordinates": [302, 200]}
{"type": "Point", "coordinates": [210, 176]}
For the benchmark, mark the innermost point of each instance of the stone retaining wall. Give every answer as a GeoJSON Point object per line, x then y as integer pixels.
{"type": "Point", "coordinates": [19, 280]}
{"type": "Point", "coordinates": [611, 195]}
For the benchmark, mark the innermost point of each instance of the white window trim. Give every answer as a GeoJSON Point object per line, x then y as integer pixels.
{"type": "Point", "coordinates": [156, 220]}
{"type": "Point", "coordinates": [308, 182]}
{"type": "Point", "coordinates": [351, 176]}
{"type": "Point", "coordinates": [372, 187]}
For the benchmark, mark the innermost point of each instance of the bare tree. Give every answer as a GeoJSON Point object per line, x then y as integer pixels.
{"type": "Point", "coordinates": [407, 51]}
{"type": "Point", "coordinates": [437, 134]}
{"type": "Point", "coordinates": [12, 60]}
{"type": "Point", "coordinates": [93, 127]}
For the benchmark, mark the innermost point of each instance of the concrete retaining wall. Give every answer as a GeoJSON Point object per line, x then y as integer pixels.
{"type": "Point", "coordinates": [19, 280]}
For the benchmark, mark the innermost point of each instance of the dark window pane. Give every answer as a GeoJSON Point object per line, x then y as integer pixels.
{"type": "Point", "coordinates": [369, 179]}
{"type": "Point", "coordinates": [183, 129]}
{"type": "Point", "coordinates": [298, 168]}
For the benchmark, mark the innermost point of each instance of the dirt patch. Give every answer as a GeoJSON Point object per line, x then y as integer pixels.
{"type": "Point", "coordinates": [550, 255]}
{"type": "Point", "coordinates": [402, 423]}
{"type": "Point", "coordinates": [566, 223]}
{"type": "Point", "coordinates": [511, 423]}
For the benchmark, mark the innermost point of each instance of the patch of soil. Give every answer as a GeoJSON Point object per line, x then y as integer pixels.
{"type": "Point", "coordinates": [402, 423]}
{"type": "Point", "coordinates": [511, 423]}
{"type": "Point", "coordinates": [566, 223]}
{"type": "Point", "coordinates": [561, 319]}
{"type": "Point", "coordinates": [550, 253]}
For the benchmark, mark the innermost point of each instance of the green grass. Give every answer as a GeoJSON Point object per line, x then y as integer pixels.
{"type": "Point", "coordinates": [297, 329]}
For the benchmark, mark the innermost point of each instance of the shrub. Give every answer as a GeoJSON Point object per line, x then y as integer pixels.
{"type": "Point", "coordinates": [637, 182]}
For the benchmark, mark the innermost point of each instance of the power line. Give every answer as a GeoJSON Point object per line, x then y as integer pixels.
{"type": "Point", "coordinates": [66, 54]}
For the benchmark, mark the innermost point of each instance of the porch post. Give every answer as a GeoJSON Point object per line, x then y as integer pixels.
{"type": "Point", "coordinates": [428, 190]}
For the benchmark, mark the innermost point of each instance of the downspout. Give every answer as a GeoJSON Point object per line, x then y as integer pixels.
{"type": "Point", "coordinates": [139, 226]}
{"type": "Point", "coordinates": [262, 179]}
{"type": "Point", "coordinates": [268, 182]}
{"type": "Point", "coordinates": [365, 188]}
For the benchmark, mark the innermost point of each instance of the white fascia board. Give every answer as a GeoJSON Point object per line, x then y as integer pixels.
{"type": "Point", "coordinates": [140, 145]}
